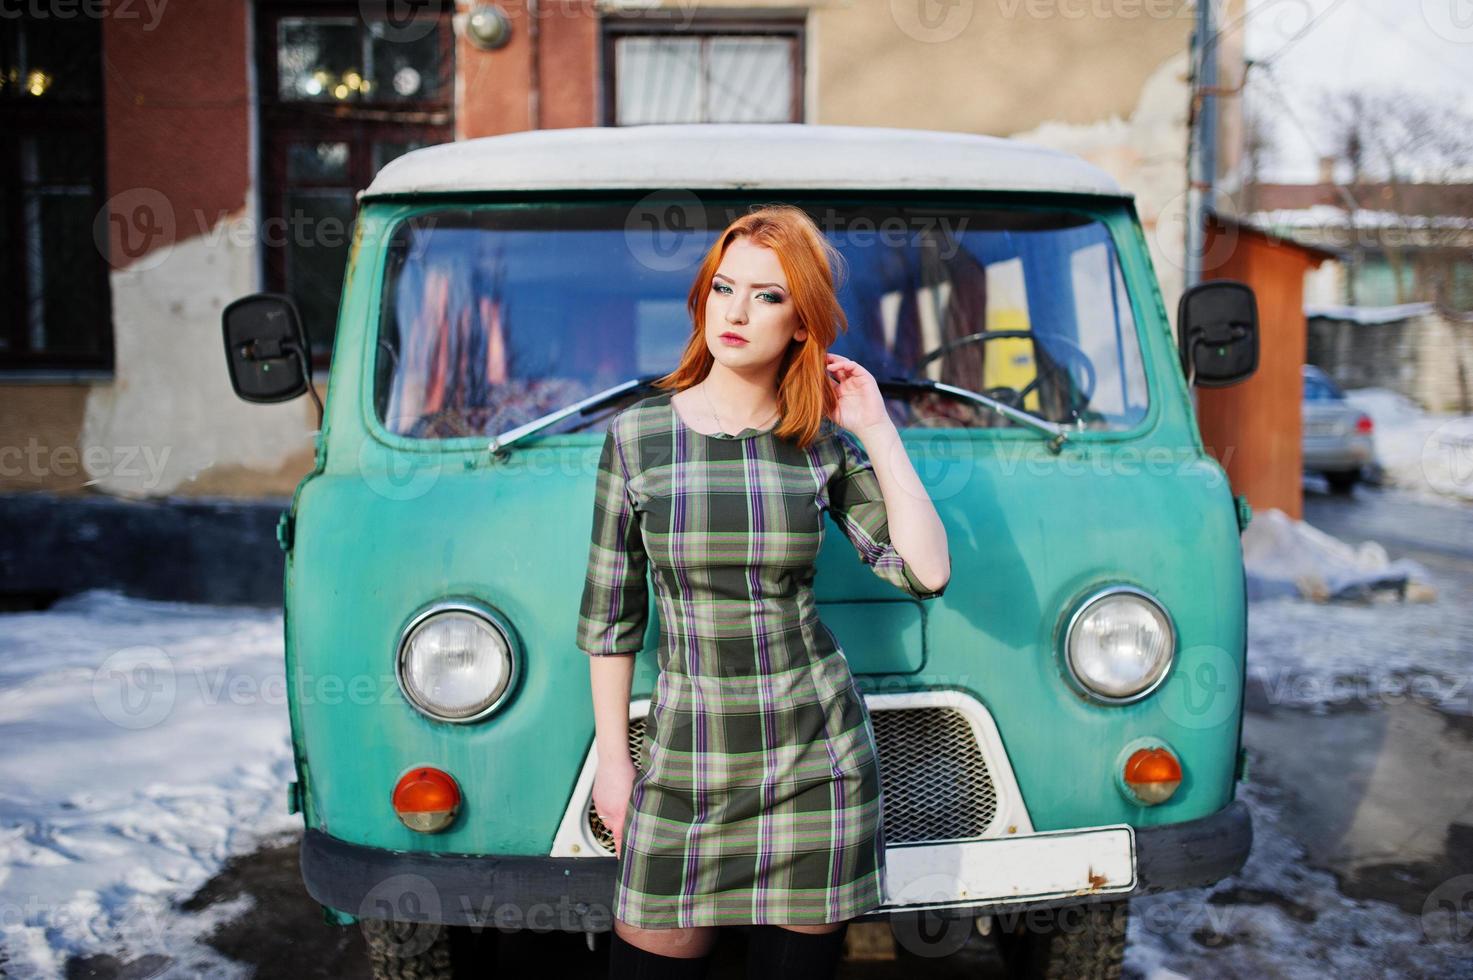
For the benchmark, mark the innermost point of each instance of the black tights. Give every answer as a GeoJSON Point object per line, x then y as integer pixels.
{"type": "Point", "coordinates": [630, 962]}
{"type": "Point", "coordinates": [773, 953]}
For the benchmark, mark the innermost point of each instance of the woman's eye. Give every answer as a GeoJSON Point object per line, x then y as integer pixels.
{"type": "Point", "coordinates": [721, 287]}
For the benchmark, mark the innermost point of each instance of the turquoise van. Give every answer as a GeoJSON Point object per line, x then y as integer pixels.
{"type": "Point", "coordinates": [1059, 733]}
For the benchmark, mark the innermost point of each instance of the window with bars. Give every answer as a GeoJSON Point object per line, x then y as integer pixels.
{"type": "Point", "coordinates": [344, 90]}
{"type": "Point", "coordinates": [709, 71]}
{"type": "Point", "coordinates": [55, 304]}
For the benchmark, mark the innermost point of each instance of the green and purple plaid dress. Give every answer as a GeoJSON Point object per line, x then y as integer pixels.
{"type": "Point", "coordinates": [760, 801]}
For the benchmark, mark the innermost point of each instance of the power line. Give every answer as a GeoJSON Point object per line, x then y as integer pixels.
{"type": "Point", "coordinates": [1462, 73]}
{"type": "Point", "coordinates": [1345, 194]}
{"type": "Point", "coordinates": [1303, 32]}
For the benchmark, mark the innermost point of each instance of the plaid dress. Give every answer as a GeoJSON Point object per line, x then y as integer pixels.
{"type": "Point", "coordinates": [760, 798]}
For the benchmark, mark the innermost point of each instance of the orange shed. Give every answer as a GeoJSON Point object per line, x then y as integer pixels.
{"type": "Point", "coordinates": [1254, 428]}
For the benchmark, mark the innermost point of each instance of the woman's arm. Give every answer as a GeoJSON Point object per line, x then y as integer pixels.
{"type": "Point", "coordinates": [612, 617]}
{"type": "Point", "coordinates": [916, 530]}
{"type": "Point", "coordinates": [611, 677]}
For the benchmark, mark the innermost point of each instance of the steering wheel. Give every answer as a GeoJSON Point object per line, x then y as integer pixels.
{"type": "Point", "coordinates": [1079, 394]}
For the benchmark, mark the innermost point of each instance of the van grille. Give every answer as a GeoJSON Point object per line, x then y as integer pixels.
{"type": "Point", "coordinates": [935, 779]}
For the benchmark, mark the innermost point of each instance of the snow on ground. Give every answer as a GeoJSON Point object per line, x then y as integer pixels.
{"type": "Point", "coordinates": [146, 742]}
{"type": "Point", "coordinates": [1284, 556]}
{"type": "Point", "coordinates": [1318, 655]}
{"type": "Point", "coordinates": [1429, 454]}
{"type": "Point", "coordinates": [1279, 918]}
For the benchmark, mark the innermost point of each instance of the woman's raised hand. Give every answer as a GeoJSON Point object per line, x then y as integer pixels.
{"type": "Point", "coordinates": [860, 403]}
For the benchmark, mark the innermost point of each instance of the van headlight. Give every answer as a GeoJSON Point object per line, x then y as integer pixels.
{"type": "Point", "coordinates": [455, 663]}
{"type": "Point", "coordinates": [1119, 644]}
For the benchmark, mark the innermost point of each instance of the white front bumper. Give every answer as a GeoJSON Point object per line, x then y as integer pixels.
{"type": "Point", "coordinates": [1018, 868]}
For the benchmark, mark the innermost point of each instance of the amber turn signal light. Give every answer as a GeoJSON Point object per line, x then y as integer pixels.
{"type": "Point", "coordinates": [1152, 775]}
{"type": "Point", "coordinates": [426, 800]}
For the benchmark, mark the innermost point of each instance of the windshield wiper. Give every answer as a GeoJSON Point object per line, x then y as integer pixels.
{"type": "Point", "coordinates": [501, 443]}
{"type": "Point", "coordinates": [1058, 432]}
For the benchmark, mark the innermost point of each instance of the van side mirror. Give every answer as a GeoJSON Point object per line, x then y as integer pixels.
{"type": "Point", "coordinates": [1217, 331]}
{"type": "Point", "coordinates": [266, 348]}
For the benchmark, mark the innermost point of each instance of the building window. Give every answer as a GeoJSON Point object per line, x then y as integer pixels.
{"type": "Point", "coordinates": [55, 304]}
{"type": "Point", "coordinates": [344, 90]}
{"type": "Point", "coordinates": [711, 71]}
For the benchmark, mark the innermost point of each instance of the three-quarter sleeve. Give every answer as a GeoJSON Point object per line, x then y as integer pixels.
{"type": "Point", "coordinates": [615, 605]}
{"type": "Point", "coordinates": [858, 507]}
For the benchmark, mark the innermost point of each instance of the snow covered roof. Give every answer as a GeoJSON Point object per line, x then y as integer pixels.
{"type": "Point", "coordinates": [1370, 315]}
{"type": "Point", "coordinates": [1329, 216]}
{"type": "Point", "coordinates": [739, 156]}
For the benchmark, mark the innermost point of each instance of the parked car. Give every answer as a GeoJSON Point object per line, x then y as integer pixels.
{"type": "Point", "coordinates": [1338, 437]}
{"type": "Point", "coordinates": [1060, 732]}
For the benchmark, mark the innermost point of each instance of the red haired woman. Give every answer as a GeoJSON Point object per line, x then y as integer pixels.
{"type": "Point", "coordinates": [760, 804]}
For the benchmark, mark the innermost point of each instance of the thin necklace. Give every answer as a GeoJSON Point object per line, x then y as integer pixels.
{"type": "Point", "coordinates": [719, 423]}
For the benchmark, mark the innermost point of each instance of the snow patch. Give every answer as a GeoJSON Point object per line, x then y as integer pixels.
{"type": "Point", "coordinates": [144, 747]}
{"type": "Point", "coordinates": [1284, 556]}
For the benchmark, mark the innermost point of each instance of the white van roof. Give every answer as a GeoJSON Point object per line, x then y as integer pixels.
{"type": "Point", "coordinates": [739, 156]}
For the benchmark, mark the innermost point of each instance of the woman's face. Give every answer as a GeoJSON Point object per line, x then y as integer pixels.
{"type": "Point", "coordinates": [750, 300]}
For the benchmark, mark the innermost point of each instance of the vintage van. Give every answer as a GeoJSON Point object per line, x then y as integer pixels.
{"type": "Point", "coordinates": [1058, 733]}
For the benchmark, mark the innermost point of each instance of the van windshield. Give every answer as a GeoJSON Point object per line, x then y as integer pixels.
{"type": "Point", "coordinates": [498, 315]}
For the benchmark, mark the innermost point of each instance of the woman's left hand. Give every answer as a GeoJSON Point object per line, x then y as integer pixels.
{"type": "Point", "coordinates": [860, 403]}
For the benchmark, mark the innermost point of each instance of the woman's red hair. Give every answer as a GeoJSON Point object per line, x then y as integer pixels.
{"type": "Point", "coordinates": [805, 393]}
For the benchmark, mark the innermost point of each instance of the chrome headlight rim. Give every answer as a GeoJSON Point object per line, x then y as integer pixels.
{"type": "Point", "coordinates": [1082, 607]}
{"type": "Point", "coordinates": [493, 620]}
